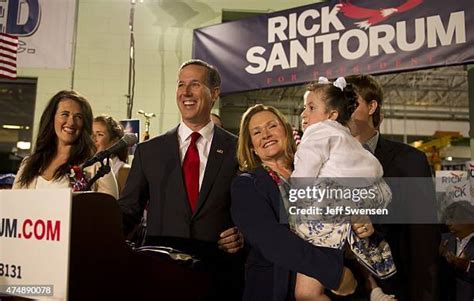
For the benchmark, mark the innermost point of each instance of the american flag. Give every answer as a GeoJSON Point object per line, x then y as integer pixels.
{"type": "Point", "coordinates": [8, 50]}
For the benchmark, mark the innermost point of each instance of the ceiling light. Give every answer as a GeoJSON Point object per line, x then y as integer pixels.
{"type": "Point", "coordinates": [23, 145]}
{"type": "Point", "coordinates": [12, 127]}
{"type": "Point", "coordinates": [15, 127]}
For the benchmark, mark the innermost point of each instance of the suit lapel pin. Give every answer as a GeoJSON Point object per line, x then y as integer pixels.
{"type": "Point", "coordinates": [220, 151]}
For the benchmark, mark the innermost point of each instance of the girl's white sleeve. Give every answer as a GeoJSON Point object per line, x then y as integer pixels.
{"type": "Point", "coordinates": [312, 152]}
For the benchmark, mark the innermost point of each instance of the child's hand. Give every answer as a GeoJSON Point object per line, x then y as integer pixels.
{"type": "Point", "coordinates": [362, 226]}
{"type": "Point", "coordinates": [363, 230]}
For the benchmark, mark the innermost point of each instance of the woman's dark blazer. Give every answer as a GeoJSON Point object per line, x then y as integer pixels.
{"type": "Point", "coordinates": [275, 253]}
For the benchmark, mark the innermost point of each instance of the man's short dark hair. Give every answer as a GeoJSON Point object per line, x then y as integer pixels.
{"type": "Point", "coordinates": [213, 77]}
{"type": "Point", "coordinates": [369, 89]}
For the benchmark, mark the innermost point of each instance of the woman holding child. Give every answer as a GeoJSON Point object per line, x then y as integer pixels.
{"type": "Point", "coordinates": [281, 265]}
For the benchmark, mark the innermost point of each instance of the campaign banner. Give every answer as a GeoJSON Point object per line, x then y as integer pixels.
{"type": "Point", "coordinates": [448, 179]}
{"type": "Point", "coordinates": [337, 38]}
{"type": "Point", "coordinates": [34, 242]}
{"type": "Point", "coordinates": [45, 29]}
{"type": "Point", "coordinates": [470, 171]}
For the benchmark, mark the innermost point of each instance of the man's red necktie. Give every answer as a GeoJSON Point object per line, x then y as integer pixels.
{"type": "Point", "coordinates": [191, 171]}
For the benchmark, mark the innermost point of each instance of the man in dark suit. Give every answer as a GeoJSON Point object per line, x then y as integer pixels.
{"type": "Point", "coordinates": [457, 248]}
{"type": "Point", "coordinates": [183, 178]}
{"type": "Point", "coordinates": [413, 242]}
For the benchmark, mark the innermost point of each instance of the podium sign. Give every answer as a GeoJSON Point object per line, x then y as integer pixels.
{"type": "Point", "coordinates": [34, 242]}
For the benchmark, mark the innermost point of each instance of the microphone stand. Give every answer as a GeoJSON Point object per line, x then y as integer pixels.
{"type": "Point", "coordinates": [102, 171]}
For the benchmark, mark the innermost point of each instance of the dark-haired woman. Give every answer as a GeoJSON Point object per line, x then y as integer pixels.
{"type": "Point", "coordinates": [63, 143]}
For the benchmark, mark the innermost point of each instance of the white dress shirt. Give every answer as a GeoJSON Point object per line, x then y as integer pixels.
{"type": "Point", "coordinates": [461, 244]}
{"type": "Point", "coordinates": [203, 145]}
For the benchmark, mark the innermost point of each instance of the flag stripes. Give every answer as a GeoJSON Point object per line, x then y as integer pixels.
{"type": "Point", "coordinates": [8, 55]}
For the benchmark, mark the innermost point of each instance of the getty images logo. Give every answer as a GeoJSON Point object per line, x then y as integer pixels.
{"type": "Point", "coordinates": [39, 229]}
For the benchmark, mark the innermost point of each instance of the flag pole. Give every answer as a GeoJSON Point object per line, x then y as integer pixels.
{"type": "Point", "coordinates": [131, 63]}
{"type": "Point", "coordinates": [74, 45]}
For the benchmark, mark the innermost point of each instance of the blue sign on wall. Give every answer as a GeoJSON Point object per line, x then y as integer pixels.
{"type": "Point", "coordinates": [337, 38]}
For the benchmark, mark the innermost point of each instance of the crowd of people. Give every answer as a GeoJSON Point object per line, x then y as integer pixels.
{"type": "Point", "coordinates": [223, 198]}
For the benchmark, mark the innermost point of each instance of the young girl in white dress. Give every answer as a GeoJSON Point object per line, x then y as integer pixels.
{"type": "Point", "coordinates": [329, 156]}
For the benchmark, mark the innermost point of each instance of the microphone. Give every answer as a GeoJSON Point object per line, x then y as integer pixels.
{"type": "Point", "coordinates": [126, 141]}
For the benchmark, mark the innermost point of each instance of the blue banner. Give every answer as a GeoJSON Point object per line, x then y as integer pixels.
{"type": "Point", "coordinates": [337, 38]}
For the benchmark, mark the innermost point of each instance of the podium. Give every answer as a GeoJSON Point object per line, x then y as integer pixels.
{"type": "Point", "coordinates": [102, 267]}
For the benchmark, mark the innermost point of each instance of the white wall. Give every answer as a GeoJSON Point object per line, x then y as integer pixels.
{"type": "Point", "coordinates": [163, 39]}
